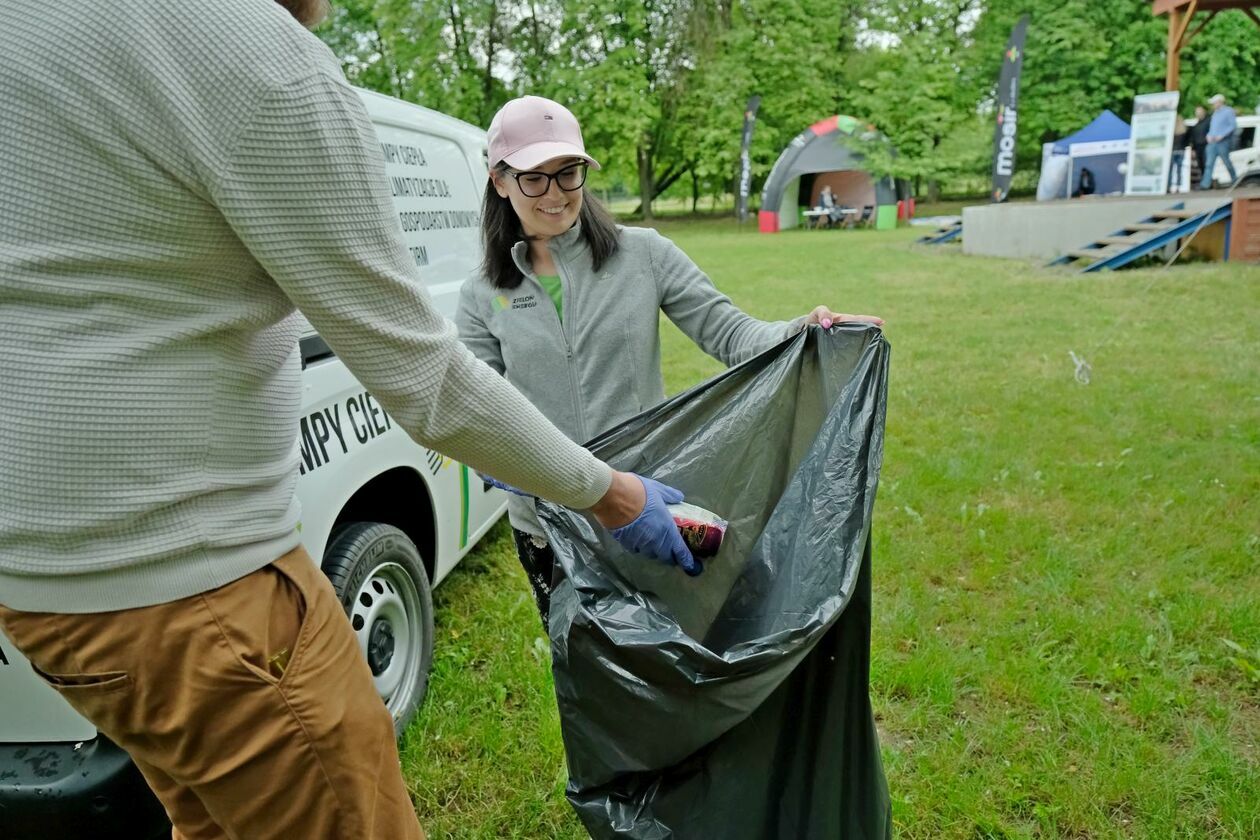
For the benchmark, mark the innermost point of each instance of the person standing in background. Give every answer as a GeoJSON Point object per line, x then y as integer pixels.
{"type": "Point", "coordinates": [586, 350]}
{"type": "Point", "coordinates": [1181, 137]}
{"type": "Point", "coordinates": [1220, 140]}
{"type": "Point", "coordinates": [1198, 140]}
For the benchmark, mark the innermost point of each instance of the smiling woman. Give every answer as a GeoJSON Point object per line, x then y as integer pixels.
{"type": "Point", "coordinates": [549, 200]}
{"type": "Point", "coordinates": [538, 169]}
{"type": "Point", "coordinates": [568, 303]}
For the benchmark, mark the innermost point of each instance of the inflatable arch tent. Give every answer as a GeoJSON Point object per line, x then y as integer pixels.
{"type": "Point", "coordinates": [822, 155]}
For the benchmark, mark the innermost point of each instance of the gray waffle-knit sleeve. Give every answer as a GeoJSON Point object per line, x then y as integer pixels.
{"type": "Point", "coordinates": [304, 187]}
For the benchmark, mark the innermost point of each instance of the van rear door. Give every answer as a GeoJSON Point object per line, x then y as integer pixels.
{"type": "Point", "coordinates": [436, 172]}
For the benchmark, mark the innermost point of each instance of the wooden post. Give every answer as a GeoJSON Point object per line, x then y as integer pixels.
{"type": "Point", "coordinates": [1173, 77]}
{"type": "Point", "coordinates": [1179, 24]}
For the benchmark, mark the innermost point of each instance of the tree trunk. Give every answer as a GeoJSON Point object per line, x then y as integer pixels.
{"type": "Point", "coordinates": [934, 185]}
{"type": "Point", "coordinates": [537, 60]}
{"type": "Point", "coordinates": [390, 64]}
{"type": "Point", "coordinates": [457, 27]}
{"type": "Point", "coordinates": [695, 191]}
{"type": "Point", "coordinates": [487, 84]}
{"type": "Point", "coordinates": [665, 180]}
{"type": "Point", "coordinates": [645, 181]}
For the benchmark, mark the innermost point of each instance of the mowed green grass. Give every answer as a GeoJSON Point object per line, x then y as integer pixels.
{"type": "Point", "coordinates": [1062, 571]}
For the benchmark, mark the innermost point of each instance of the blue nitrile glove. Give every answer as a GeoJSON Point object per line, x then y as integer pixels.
{"type": "Point", "coordinates": [654, 532]}
{"type": "Point", "coordinates": [494, 482]}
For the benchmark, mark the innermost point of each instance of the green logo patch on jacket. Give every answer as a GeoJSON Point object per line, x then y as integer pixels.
{"type": "Point", "coordinates": [501, 302]}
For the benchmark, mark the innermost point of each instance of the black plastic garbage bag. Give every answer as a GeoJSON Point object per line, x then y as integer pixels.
{"type": "Point", "coordinates": [735, 704]}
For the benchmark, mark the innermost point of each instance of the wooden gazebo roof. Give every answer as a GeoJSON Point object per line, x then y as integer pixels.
{"type": "Point", "coordinates": [1181, 14]}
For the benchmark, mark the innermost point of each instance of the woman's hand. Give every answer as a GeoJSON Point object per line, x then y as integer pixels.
{"type": "Point", "coordinates": [824, 317]}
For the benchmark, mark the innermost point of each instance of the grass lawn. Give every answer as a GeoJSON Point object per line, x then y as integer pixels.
{"type": "Point", "coordinates": [1067, 576]}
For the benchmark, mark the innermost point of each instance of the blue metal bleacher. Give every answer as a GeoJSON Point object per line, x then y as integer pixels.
{"type": "Point", "coordinates": [1137, 240]}
{"type": "Point", "coordinates": [946, 233]}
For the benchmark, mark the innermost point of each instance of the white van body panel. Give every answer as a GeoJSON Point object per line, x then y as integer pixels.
{"type": "Point", "coordinates": [1246, 158]}
{"type": "Point", "coordinates": [30, 710]}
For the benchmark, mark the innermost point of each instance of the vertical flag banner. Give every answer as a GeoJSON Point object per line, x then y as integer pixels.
{"type": "Point", "coordinates": [745, 165]}
{"type": "Point", "coordinates": [1007, 107]}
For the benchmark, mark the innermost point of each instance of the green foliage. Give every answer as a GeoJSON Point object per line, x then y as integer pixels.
{"type": "Point", "coordinates": [611, 79]}
{"type": "Point", "coordinates": [1080, 58]}
{"type": "Point", "coordinates": [660, 85]}
{"type": "Point", "coordinates": [1224, 58]}
{"type": "Point", "coordinates": [1246, 661]}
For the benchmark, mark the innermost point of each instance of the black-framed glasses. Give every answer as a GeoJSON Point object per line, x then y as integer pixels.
{"type": "Point", "coordinates": [536, 184]}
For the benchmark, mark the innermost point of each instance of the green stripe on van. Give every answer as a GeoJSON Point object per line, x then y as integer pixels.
{"type": "Point", "coordinates": [463, 505]}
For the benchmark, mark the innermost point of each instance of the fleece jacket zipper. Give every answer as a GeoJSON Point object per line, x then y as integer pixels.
{"type": "Point", "coordinates": [566, 297]}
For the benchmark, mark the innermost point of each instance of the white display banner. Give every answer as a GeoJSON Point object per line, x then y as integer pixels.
{"type": "Point", "coordinates": [1150, 155]}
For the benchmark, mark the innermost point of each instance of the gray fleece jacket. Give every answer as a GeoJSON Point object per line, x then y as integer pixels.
{"type": "Point", "coordinates": [601, 363]}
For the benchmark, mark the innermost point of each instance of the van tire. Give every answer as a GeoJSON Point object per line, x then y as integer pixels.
{"type": "Point", "coordinates": [379, 577]}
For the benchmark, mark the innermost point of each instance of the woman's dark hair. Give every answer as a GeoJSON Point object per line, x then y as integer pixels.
{"type": "Point", "coordinates": [501, 229]}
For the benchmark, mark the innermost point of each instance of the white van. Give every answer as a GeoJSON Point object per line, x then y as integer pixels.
{"type": "Point", "coordinates": [389, 518]}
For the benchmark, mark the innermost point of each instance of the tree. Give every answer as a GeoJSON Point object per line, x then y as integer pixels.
{"type": "Point", "coordinates": [916, 90]}
{"type": "Point", "coordinates": [1080, 58]}
{"type": "Point", "coordinates": [626, 69]}
{"type": "Point", "coordinates": [1223, 58]}
{"type": "Point", "coordinates": [660, 85]}
{"type": "Point", "coordinates": [355, 37]}
{"type": "Point", "coordinates": [789, 52]}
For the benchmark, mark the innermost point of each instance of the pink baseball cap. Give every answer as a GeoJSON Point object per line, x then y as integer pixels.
{"type": "Point", "coordinates": [531, 130]}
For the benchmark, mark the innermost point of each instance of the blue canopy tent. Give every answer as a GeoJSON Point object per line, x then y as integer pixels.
{"type": "Point", "coordinates": [1106, 126]}
{"type": "Point", "coordinates": [1102, 147]}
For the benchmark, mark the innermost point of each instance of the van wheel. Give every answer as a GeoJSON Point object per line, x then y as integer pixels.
{"type": "Point", "coordinates": [380, 579]}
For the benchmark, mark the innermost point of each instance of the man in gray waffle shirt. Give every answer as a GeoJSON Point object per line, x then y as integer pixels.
{"type": "Point", "coordinates": [175, 178]}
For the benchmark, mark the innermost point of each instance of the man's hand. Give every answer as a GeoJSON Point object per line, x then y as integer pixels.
{"type": "Point", "coordinates": [634, 512]}
{"type": "Point", "coordinates": [494, 482]}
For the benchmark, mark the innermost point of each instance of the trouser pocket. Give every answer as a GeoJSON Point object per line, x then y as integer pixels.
{"type": "Point", "coordinates": [85, 685]}
{"type": "Point", "coordinates": [262, 618]}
